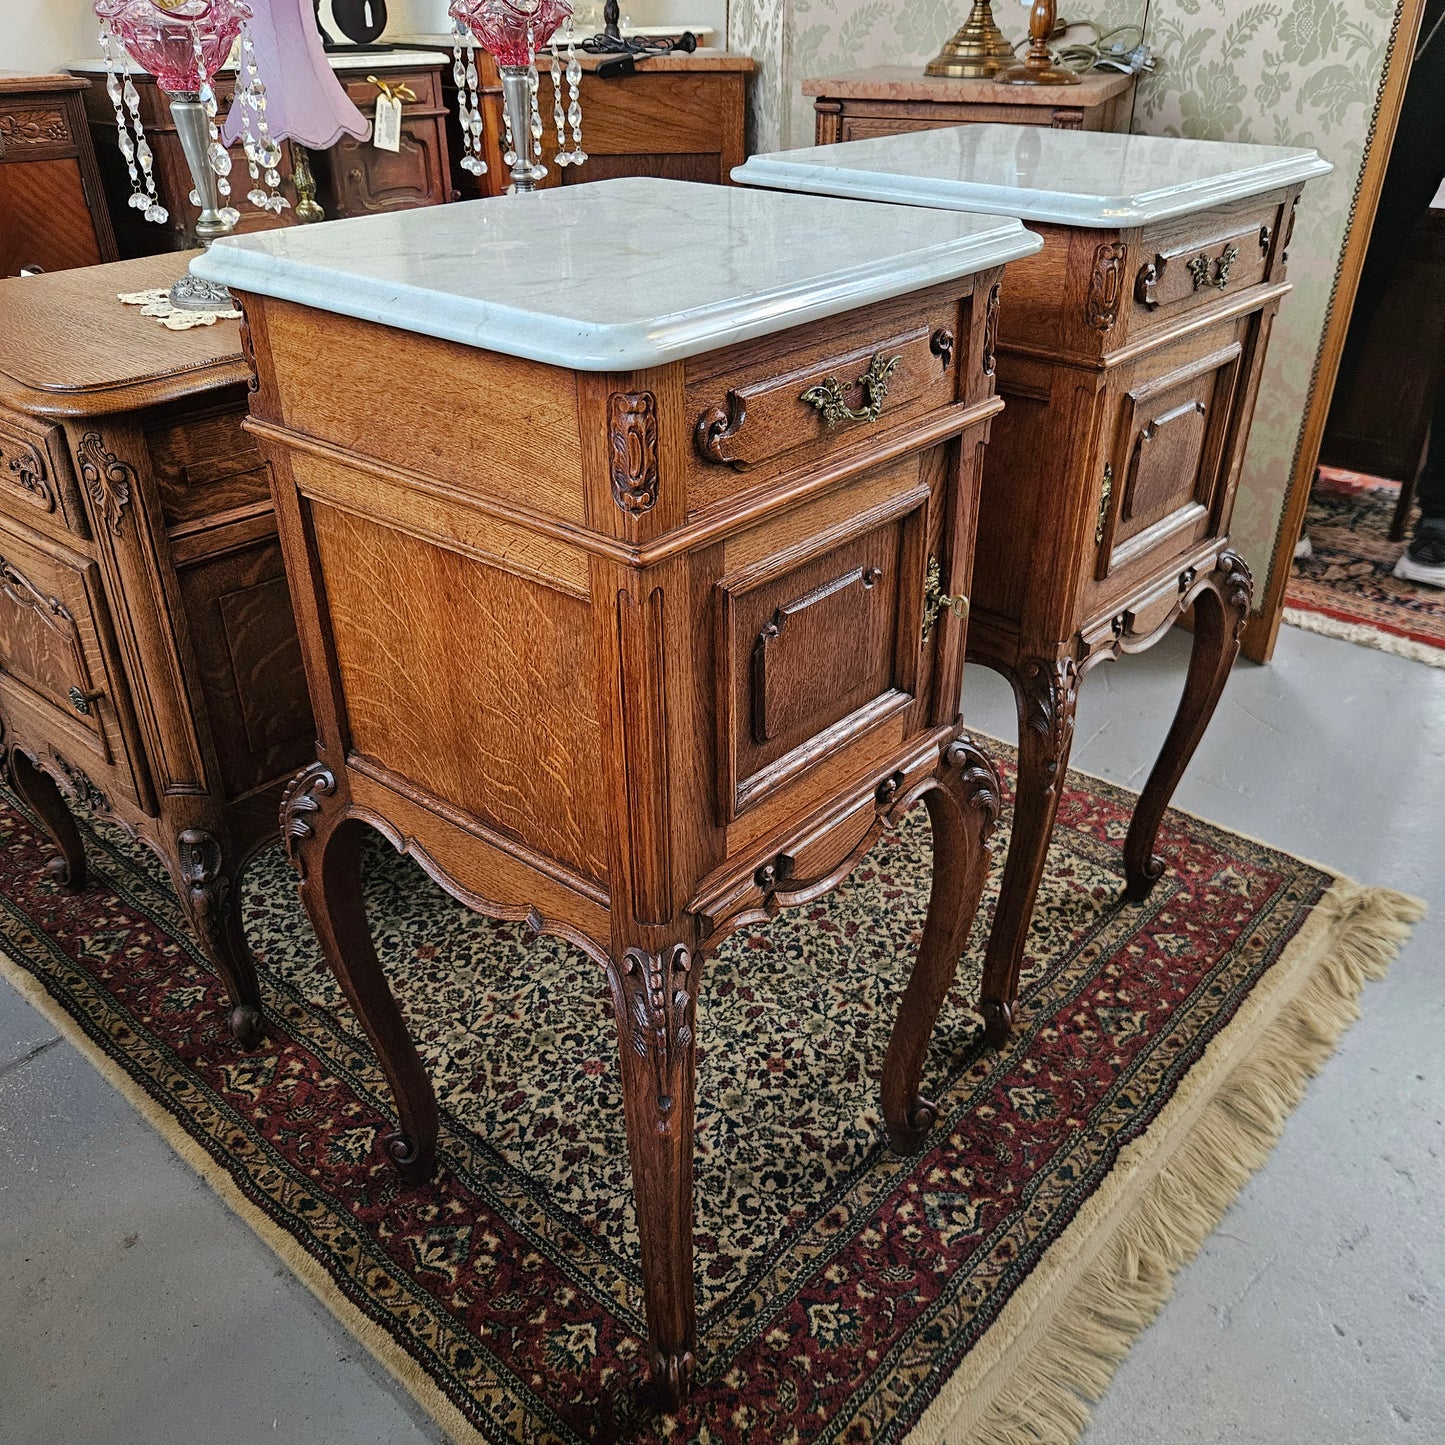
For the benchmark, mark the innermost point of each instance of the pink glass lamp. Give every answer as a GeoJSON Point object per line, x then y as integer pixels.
{"type": "Point", "coordinates": [183, 43]}
{"type": "Point", "coordinates": [512, 31]}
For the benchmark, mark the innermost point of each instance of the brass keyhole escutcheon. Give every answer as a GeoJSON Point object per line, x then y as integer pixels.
{"type": "Point", "coordinates": [827, 396]}
{"type": "Point", "coordinates": [81, 701]}
{"type": "Point", "coordinates": [935, 599]}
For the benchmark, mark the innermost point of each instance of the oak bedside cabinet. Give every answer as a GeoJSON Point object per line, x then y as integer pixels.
{"type": "Point", "coordinates": [149, 669]}
{"type": "Point", "coordinates": [897, 99]}
{"type": "Point", "coordinates": [631, 592]}
{"type": "Point", "coordinates": [1129, 353]}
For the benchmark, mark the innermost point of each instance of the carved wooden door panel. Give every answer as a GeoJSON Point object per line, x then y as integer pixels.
{"type": "Point", "coordinates": [57, 658]}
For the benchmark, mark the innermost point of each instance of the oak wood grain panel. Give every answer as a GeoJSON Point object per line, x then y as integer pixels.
{"type": "Point", "coordinates": [514, 421]}
{"type": "Point", "coordinates": [514, 667]}
{"type": "Point", "coordinates": [205, 463]}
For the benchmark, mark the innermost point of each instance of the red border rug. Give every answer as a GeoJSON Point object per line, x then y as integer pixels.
{"type": "Point", "coordinates": [980, 1291]}
{"type": "Point", "coordinates": [1348, 588]}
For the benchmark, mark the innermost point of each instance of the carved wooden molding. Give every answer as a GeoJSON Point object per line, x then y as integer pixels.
{"type": "Point", "coordinates": [78, 785]}
{"type": "Point", "coordinates": [27, 467]}
{"type": "Point", "coordinates": [300, 804]}
{"type": "Point", "coordinates": [108, 480]}
{"type": "Point", "coordinates": [660, 989]}
{"type": "Point", "coordinates": [1106, 285]}
{"type": "Point", "coordinates": [199, 857]}
{"type": "Point", "coordinates": [632, 444]}
{"type": "Point", "coordinates": [990, 330]}
{"type": "Point", "coordinates": [20, 590]}
{"type": "Point", "coordinates": [716, 427]}
{"type": "Point", "coordinates": [978, 781]}
{"type": "Point", "coordinates": [1237, 587]}
{"type": "Point", "coordinates": [1050, 690]}
{"type": "Point", "coordinates": [32, 128]}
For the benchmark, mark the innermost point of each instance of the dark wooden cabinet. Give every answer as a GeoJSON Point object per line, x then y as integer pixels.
{"type": "Point", "coordinates": [53, 214]}
{"type": "Point", "coordinates": [680, 117]}
{"type": "Point", "coordinates": [149, 667]}
{"type": "Point", "coordinates": [352, 178]}
{"type": "Point", "coordinates": [893, 100]}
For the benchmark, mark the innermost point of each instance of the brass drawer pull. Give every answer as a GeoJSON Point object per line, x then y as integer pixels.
{"type": "Point", "coordinates": [1198, 268]}
{"type": "Point", "coordinates": [935, 599]}
{"type": "Point", "coordinates": [392, 91]}
{"type": "Point", "coordinates": [827, 395]}
{"type": "Point", "coordinates": [1105, 493]}
{"type": "Point", "coordinates": [81, 701]}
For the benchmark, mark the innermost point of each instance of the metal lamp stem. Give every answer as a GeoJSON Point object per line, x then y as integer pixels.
{"type": "Point", "coordinates": [517, 99]}
{"type": "Point", "coordinates": [190, 293]}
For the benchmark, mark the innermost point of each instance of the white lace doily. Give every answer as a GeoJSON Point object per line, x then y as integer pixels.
{"type": "Point", "coordinates": [157, 303]}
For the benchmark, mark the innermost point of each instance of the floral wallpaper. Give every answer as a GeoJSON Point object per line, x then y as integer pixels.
{"type": "Point", "coordinates": [1275, 72]}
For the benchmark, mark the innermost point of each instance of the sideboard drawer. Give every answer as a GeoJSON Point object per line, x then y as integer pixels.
{"type": "Point", "coordinates": [819, 641]}
{"type": "Point", "coordinates": [37, 486]}
{"type": "Point", "coordinates": [57, 657]}
{"type": "Point", "coordinates": [1196, 260]}
{"type": "Point", "coordinates": [756, 419]}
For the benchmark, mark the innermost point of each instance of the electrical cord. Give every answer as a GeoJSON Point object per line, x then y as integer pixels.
{"type": "Point", "coordinates": [1108, 48]}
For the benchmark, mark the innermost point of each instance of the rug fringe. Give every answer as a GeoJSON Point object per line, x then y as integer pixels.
{"type": "Point", "coordinates": [1046, 1399]}
{"type": "Point", "coordinates": [1365, 635]}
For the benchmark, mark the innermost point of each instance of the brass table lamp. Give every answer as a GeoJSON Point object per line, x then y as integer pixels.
{"type": "Point", "coordinates": [977, 51]}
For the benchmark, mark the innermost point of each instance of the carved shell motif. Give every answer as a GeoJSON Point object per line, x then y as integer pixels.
{"type": "Point", "coordinates": [108, 480]}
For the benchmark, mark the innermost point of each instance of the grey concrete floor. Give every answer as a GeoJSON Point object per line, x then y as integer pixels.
{"type": "Point", "coordinates": [134, 1307]}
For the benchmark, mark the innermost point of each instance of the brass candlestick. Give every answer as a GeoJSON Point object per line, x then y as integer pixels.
{"type": "Point", "coordinates": [1038, 67]}
{"type": "Point", "coordinates": [977, 51]}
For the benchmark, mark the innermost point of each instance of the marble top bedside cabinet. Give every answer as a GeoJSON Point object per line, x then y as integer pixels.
{"type": "Point", "coordinates": [1129, 354]}
{"type": "Point", "coordinates": [149, 668]}
{"type": "Point", "coordinates": [630, 527]}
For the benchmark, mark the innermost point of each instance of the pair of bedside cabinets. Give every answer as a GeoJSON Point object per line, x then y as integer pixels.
{"type": "Point", "coordinates": [634, 594]}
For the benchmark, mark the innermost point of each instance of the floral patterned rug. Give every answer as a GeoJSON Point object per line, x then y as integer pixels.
{"type": "Point", "coordinates": [1347, 587]}
{"type": "Point", "coordinates": [983, 1289]}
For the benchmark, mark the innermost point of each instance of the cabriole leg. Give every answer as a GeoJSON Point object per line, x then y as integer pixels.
{"type": "Point", "coordinates": [962, 808]}
{"type": "Point", "coordinates": [44, 799]}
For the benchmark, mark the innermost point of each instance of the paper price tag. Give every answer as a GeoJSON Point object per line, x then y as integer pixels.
{"type": "Point", "coordinates": [386, 128]}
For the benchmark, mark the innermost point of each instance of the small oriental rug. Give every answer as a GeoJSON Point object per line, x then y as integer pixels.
{"type": "Point", "coordinates": [980, 1292]}
{"type": "Point", "coordinates": [1347, 588]}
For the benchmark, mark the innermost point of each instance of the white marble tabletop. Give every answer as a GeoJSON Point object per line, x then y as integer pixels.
{"type": "Point", "coordinates": [614, 274]}
{"type": "Point", "coordinates": [1067, 177]}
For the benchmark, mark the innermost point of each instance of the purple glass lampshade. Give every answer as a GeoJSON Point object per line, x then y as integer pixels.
{"type": "Point", "coordinates": [182, 43]}
{"type": "Point", "coordinates": [305, 102]}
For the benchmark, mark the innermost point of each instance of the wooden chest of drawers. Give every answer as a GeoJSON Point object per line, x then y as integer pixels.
{"type": "Point", "coordinates": [149, 669]}
{"type": "Point", "coordinates": [896, 99]}
{"type": "Point", "coordinates": [646, 621]}
{"type": "Point", "coordinates": [52, 207]}
{"type": "Point", "coordinates": [352, 178]}
{"type": "Point", "coordinates": [1129, 352]}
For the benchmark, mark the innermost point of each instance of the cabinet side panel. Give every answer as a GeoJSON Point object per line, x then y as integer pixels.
{"type": "Point", "coordinates": [477, 685]}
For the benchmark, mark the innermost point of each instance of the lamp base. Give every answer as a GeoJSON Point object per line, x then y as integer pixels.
{"type": "Point", "coordinates": [977, 50]}
{"type": "Point", "coordinates": [190, 293]}
{"type": "Point", "coordinates": [1037, 75]}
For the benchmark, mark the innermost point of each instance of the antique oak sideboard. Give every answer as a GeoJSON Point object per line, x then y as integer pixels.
{"type": "Point", "coordinates": [1129, 354]}
{"type": "Point", "coordinates": [632, 594]}
{"type": "Point", "coordinates": [149, 668]}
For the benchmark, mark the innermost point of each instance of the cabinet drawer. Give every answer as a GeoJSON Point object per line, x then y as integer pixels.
{"type": "Point", "coordinates": [1197, 260]}
{"type": "Point", "coordinates": [37, 485]}
{"type": "Point", "coordinates": [57, 656]}
{"type": "Point", "coordinates": [820, 641]}
{"type": "Point", "coordinates": [424, 84]}
{"type": "Point", "coordinates": [758, 416]}
{"type": "Point", "coordinates": [206, 465]}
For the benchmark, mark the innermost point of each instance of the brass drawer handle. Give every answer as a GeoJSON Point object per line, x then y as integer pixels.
{"type": "Point", "coordinates": [1198, 268]}
{"type": "Point", "coordinates": [827, 395]}
{"type": "Point", "coordinates": [81, 701]}
{"type": "Point", "coordinates": [397, 92]}
{"type": "Point", "coordinates": [935, 599]}
{"type": "Point", "coordinates": [1105, 493]}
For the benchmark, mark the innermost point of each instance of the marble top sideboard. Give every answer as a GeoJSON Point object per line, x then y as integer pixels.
{"type": "Point", "coordinates": [631, 272]}
{"type": "Point", "coordinates": [1070, 178]}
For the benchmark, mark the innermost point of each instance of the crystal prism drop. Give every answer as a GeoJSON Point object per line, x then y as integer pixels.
{"type": "Point", "coordinates": [230, 215]}
{"type": "Point", "coordinates": [139, 200]}
{"type": "Point", "coordinates": [158, 214]}
{"type": "Point", "coordinates": [273, 177]}
{"type": "Point", "coordinates": [257, 197]}
{"type": "Point", "coordinates": [220, 158]}
{"type": "Point", "coordinates": [194, 197]}
{"type": "Point", "coordinates": [143, 152]}
{"type": "Point", "coordinates": [223, 186]}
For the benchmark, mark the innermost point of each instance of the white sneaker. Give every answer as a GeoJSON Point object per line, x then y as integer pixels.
{"type": "Point", "coordinates": [1429, 574]}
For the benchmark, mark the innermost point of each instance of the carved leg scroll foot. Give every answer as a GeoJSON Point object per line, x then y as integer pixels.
{"type": "Point", "coordinates": [324, 847]}
{"type": "Point", "coordinates": [1045, 692]}
{"type": "Point", "coordinates": [206, 888]}
{"type": "Point", "coordinates": [962, 808]}
{"type": "Point", "coordinates": [44, 799]}
{"type": "Point", "coordinates": [1221, 609]}
{"type": "Point", "coordinates": [654, 996]}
